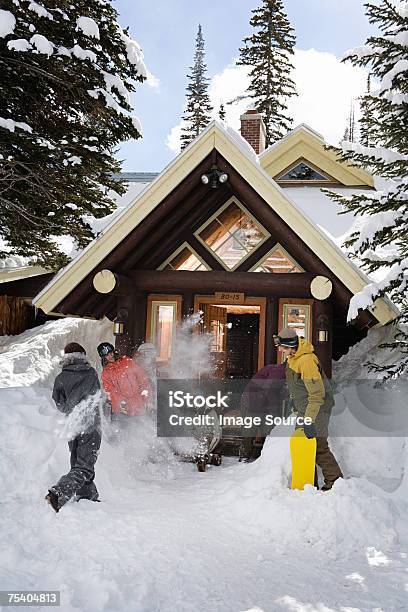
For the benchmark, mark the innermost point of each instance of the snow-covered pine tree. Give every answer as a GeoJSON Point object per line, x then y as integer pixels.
{"type": "Point", "coordinates": [350, 131]}
{"type": "Point", "coordinates": [198, 108]}
{"type": "Point", "coordinates": [366, 118]}
{"type": "Point", "coordinates": [267, 53]}
{"type": "Point", "coordinates": [67, 69]}
{"type": "Point", "coordinates": [221, 112]}
{"type": "Point", "coordinates": [380, 243]}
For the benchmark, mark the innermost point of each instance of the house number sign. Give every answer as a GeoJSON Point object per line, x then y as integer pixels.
{"type": "Point", "coordinates": [230, 298]}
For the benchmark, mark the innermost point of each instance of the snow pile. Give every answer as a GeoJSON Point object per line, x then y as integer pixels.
{"type": "Point", "coordinates": [337, 524]}
{"type": "Point", "coordinates": [7, 23]}
{"type": "Point", "coordinates": [88, 26]}
{"type": "Point", "coordinates": [11, 125]}
{"type": "Point", "coordinates": [164, 536]}
{"type": "Point", "coordinates": [33, 357]}
{"type": "Point", "coordinates": [42, 44]}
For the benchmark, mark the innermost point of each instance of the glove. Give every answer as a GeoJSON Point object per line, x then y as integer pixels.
{"type": "Point", "coordinates": [123, 406]}
{"type": "Point", "coordinates": [310, 431]}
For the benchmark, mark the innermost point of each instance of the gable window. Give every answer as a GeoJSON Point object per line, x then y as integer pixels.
{"type": "Point", "coordinates": [184, 258]}
{"type": "Point", "coordinates": [232, 234]}
{"type": "Point", "coordinates": [304, 172]}
{"type": "Point", "coordinates": [277, 261]}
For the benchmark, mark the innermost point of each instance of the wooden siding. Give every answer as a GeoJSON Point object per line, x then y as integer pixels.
{"type": "Point", "coordinates": [15, 315]}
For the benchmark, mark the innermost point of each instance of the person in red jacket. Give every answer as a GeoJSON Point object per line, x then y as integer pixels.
{"type": "Point", "coordinates": [125, 382]}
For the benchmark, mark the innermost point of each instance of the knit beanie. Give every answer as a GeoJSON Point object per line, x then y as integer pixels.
{"type": "Point", "coordinates": [288, 337]}
{"type": "Point", "coordinates": [74, 347]}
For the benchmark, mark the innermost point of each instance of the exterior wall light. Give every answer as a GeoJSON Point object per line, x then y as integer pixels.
{"type": "Point", "coordinates": [322, 325]}
{"type": "Point", "coordinates": [215, 177]}
{"type": "Point", "coordinates": [119, 322]}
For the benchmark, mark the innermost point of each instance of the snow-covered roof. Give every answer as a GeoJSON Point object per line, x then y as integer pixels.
{"type": "Point", "coordinates": [321, 209]}
{"type": "Point", "coordinates": [136, 177]}
{"type": "Point", "coordinates": [8, 274]}
{"type": "Point", "coordinates": [302, 127]}
{"type": "Point", "coordinates": [235, 150]}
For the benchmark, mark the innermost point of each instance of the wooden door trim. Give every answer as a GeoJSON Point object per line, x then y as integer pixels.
{"type": "Point", "coordinates": [247, 301]}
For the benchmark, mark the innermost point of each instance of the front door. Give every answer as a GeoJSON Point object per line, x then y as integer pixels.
{"type": "Point", "coordinates": [238, 334]}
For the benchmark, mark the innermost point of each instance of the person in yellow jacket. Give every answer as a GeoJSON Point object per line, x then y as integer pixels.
{"type": "Point", "coordinates": [312, 396]}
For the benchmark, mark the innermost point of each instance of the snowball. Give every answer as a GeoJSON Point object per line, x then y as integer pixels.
{"type": "Point", "coordinates": [7, 23]}
{"type": "Point", "coordinates": [40, 10]}
{"type": "Point", "coordinates": [88, 26]}
{"type": "Point", "coordinates": [83, 54]}
{"type": "Point", "coordinates": [42, 44]}
{"type": "Point", "coordinates": [19, 44]}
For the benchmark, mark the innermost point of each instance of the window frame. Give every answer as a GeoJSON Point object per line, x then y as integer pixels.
{"type": "Point", "coordinates": [177, 251]}
{"type": "Point", "coordinates": [328, 179]}
{"type": "Point", "coordinates": [151, 317]}
{"type": "Point", "coordinates": [232, 200]}
{"type": "Point", "coordinates": [285, 252]}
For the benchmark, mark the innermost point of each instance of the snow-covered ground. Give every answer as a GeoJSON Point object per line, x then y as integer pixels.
{"type": "Point", "coordinates": [168, 539]}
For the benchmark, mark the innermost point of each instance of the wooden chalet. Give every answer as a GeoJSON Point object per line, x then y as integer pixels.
{"type": "Point", "coordinates": [217, 231]}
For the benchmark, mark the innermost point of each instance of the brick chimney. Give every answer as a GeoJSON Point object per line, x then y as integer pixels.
{"type": "Point", "coordinates": [253, 130]}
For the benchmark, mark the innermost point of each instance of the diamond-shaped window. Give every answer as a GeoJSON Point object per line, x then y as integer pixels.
{"type": "Point", "coordinates": [303, 172]}
{"type": "Point", "coordinates": [232, 234]}
{"type": "Point", "coordinates": [185, 258]}
{"type": "Point", "coordinates": [277, 261]}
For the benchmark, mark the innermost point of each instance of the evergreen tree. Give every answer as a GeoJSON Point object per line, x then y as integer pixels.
{"type": "Point", "coordinates": [267, 53]}
{"type": "Point", "coordinates": [198, 108]}
{"type": "Point", "coordinates": [366, 112]}
{"type": "Point", "coordinates": [67, 70]}
{"type": "Point", "coordinates": [381, 243]}
{"type": "Point", "coordinates": [221, 112]}
{"type": "Point", "coordinates": [350, 131]}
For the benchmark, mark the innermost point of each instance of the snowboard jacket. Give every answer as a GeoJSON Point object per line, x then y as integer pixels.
{"type": "Point", "coordinates": [308, 385]}
{"type": "Point", "coordinates": [77, 382]}
{"type": "Point", "coordinates": [125, 381]}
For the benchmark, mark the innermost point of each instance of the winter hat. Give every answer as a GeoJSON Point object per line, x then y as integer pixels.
{"type": "Point", "coordinates": [288, 338]}
{"type": "Point", "coordinates": [105, 348]}
{"type": "Point", "coordinates": [74, 347]}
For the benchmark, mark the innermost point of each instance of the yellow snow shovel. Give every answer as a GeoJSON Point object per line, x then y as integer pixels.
{"type": "Point", "coordinates": [303, 455]}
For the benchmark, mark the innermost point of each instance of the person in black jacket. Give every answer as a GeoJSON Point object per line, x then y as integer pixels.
{"type": "Point", "coordinates": [77, 394]}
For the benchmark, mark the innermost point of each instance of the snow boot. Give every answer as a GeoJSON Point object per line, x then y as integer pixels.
{"type": "Point", "coordinates": [52, 499]}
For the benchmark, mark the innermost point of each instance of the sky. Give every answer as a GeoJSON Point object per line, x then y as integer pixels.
{"type": "Point", "coordinates": [166, 31]}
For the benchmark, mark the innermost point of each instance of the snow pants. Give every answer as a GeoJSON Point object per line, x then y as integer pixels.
{"type": "Point", "coordinates": [327, 463]}
{"type": "Point", "coordinates": [80, 479]}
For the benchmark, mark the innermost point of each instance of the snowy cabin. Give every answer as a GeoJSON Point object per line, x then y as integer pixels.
{"type": "Point", "coordinates": [244, 235]}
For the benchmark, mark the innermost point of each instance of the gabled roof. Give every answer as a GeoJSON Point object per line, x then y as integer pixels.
{"type": "Point", "coordinates": [240, 155]}
{"type": "Point", "coordinates": [17, 273]}
{"type": "Point", "coordinates": [303, 143]}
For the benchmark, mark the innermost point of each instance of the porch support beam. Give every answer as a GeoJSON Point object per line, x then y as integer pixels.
{"type": "Point", "coordinates": [251, 283]}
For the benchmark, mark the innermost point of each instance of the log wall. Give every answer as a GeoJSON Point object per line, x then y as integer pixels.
{"type": "Point", "coordinates": [15, 315]}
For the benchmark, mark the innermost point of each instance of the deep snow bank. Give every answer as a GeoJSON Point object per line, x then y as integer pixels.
{"type": "Point", "coordinates": [33, 357]}
{"type": "Point", "coordinates": [363, 511]}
